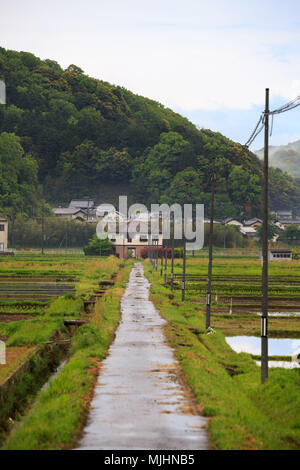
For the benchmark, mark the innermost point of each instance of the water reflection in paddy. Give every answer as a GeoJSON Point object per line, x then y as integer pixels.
{"type": "Point", "coordinates": [252, 345]}
{"type": "Point", "coordinates": [281, 314]}
{"type": "Point", "coordinates": [284, 364]}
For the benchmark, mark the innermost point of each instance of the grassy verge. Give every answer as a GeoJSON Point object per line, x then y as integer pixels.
{"type": "Point", "coordinates": [243, 414]}
{"type": "Point", "coordinates": [58, 415]}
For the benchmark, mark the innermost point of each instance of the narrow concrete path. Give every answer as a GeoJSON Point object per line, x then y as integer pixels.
{"type": "Point", "coordinates": [140, 401]}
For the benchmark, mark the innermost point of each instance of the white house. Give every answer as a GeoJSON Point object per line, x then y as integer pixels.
{"type": "Point", "coordinates": [3, 233]}
{"type": "Point", "coordinates": [278, 255]}
{"type": "Point", "coordinates": [248, 231]}
{"type": "Point", "coordinates": [124, 245]}
{"type": "Point", "coordinates": [231, 221]}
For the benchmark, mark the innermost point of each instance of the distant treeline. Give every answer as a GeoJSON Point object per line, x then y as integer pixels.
{"type": "Point", "coordinates": [58, 233]}
{"type": "Point", "coordinates": [62, 233]}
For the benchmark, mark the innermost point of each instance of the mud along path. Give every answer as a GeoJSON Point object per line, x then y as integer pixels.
{"type": "Point", "coordinates": [140, 401]}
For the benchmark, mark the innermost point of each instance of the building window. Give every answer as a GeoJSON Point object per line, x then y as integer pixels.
{"type": "Point", "coordinates": [143, 238]}
{"type": "Point", "coordinates": [2, 228]}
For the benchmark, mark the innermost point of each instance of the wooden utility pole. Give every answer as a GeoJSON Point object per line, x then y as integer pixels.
{"type": "Point", "coordinates": [210, 249]}
{"type": "Point", "coordinates": [150, 251]}
{"type": "Point", "coordinates": [172, 263]}
{"type": "Point", "coordinates": [264, 287]}
{"type": "Point", "coordinates": [43, 227]}
{"type": "Point", "coordinates": [183, 270]}
{"type": "Point", "coordinates": [166, 263]}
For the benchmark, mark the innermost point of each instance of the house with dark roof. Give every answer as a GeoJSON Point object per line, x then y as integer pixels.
{"type": "Point", "coordinates": [284, 215]}
{"type": "Point", "coordinates": [72, 213]}
{"type": "Point", "coordinates": [85, 203]}
{"type": "Point", "coordinates": [255, 222]}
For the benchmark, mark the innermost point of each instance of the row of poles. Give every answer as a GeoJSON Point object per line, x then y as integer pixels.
{"type": "Point", "coordinates": [264, 304]}
{"type": "Point", "coordinates": [154, 259]}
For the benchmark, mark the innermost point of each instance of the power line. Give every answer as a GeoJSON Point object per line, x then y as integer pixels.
{"type": "Point", "coordinates": [261, 122]}
{"type": "Point", "coordinates": [287, 107]}
{"type": "Point", "coordinates": [257, 130]}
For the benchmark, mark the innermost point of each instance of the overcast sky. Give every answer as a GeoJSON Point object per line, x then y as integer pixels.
{"type": "Point", "coordinates": [209, 60]}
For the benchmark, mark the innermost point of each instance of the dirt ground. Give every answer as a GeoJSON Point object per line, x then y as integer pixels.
{"type": "Point", "coordinates": [14, 358]}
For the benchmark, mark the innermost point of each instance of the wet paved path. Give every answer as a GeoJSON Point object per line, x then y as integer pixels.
{"type": "Point", "coordinates": [139, 400]}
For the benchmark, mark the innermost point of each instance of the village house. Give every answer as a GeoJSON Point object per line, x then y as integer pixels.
{"type": "Point", "coordinates": [254, 223]}
{"type": "Point", "coordinates": [79, 209]}
{"type": "Point", "coordinates": [125, 246]}
{"type": "Point", "coordinates": [85, 204]}
{"type": "Point", "coordinates": [86, 211]}
{"type": "Point", "coordinates": [283, 215]}
{"type": "Point", "coordinates": [248, 231]}
{"type": "Point", "coordinates": [71, 213]}
{"type": "Point", "coordinates": [3, 234]}
{"type": "Point", "coordinates": [278, 255]}
{"type": "Point", "coordinates": [232, 221]}
{"type": "Point", "coordinates": [283, 223]}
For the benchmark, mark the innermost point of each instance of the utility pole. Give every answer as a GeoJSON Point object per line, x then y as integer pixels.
{"type": "Point", "coordinates": [162, 258]}
{"type": "Point", "coordinates": [166, 262]}
{"type": "Point", "coordinates": [183, 270]}
{"type": "Point", "coordinates": [210, 252]}
{"type": "Point", "coordinates": [67, 233]}
{"type": "Point", "coordinates": [150, 251]}
{"type": "Point", "coordinates": [172, 263]}
{"type": "Point", "coordinates": [43, 227]}
{"type": "Point", "coordinates": [264, 303]}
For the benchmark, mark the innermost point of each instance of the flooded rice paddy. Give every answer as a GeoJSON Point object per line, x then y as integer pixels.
{"type": "Point", "coordinates": [276, 347]}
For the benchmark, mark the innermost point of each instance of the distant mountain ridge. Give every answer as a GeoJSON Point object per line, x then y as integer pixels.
{"type": "Point", "coordinates": [285, 157]}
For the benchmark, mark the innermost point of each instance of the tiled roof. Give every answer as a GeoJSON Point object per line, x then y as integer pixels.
{"type": "Point", "coordinates": [82, 203]}
{"type": "Point", "coordinates": [67, 210]}
{"type": "Point", "coordinates": [252, 221]}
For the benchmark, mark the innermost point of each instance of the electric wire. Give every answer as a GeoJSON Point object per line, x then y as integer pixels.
{"type": "Point", "coordinates": [261, 122]}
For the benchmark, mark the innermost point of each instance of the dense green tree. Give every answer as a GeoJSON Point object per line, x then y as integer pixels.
{"type": "Point", "coordinates": [18, 177]}
{"type": "Point", "coordinates": [290, 234]}
{"type": "Point", "coordinates": [113, 165]}
{"type": "Point", "coordinates": [272, 231]}
{"type": "Point", "coordinates": [185, 187]}
{"type": "Point", "coordinates": [244, 187]}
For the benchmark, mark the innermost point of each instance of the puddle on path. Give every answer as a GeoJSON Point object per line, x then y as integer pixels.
{"type": "Point", "coordinates": [140, 401]}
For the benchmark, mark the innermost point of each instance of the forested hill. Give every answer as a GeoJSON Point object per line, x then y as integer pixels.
{"type": "Point", "coordinates": [64, 134]}
{"type": "Point", "coordinates": [285, 157]}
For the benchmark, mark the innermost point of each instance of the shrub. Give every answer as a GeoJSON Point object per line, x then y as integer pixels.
{"type": "Point", "coordinates": [97, 247]}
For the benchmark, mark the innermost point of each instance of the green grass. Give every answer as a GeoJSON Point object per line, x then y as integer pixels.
{"type": "Point", "coordinates": [59, 413]}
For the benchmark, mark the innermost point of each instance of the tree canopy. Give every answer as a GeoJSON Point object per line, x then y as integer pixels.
{"type": "Point", "coordinates": [64, 134]}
